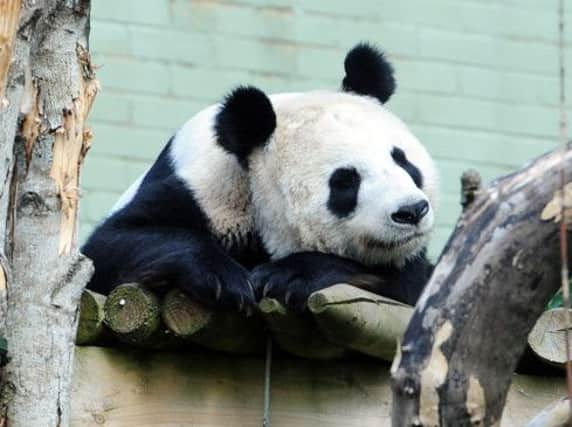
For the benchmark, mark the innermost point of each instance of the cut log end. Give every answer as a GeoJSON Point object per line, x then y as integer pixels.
{"type": "Point", "coordinates": [91, 328]}
{"type": "Point", "coordinates": [548, 337]}
{"type": "Point", "coordinates": [183, 316]}
{"type": "Point", "coordinates": [132, 311]}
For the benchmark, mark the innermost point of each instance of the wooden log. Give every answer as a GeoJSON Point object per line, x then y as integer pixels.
{"type": "Point", "coordinates": [132, 313]}
{"type": "Point", "coordinates": [493, 280]}
{"type": "Point", "coordinates": [556, 414]}
{"type": "Point", "coordinates": [91, 329]}
{"type": "Point", "coordinates": [360, 320]}
{"type": "Point", "coordinates": [217, 330]}
{"type": "Point", "coordinates": [297, 334]}
{"type": "Point", "coordinates": [547, 340]}
{"type": "Point", "coordinates": [182, 315]}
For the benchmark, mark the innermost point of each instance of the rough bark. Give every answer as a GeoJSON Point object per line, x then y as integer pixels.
{"type": "Point", "coordinates": [497, 272]}
{"type": "Point", "coordinates": [47, 93]}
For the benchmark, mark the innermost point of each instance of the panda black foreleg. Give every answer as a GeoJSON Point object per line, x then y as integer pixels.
{"type": "Point", "coordinates": [292, 279]}
{"type": "Point", "coordinates": [194, 263]}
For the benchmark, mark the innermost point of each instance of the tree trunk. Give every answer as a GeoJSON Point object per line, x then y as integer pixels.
{"type": "Point", "coordinates": [492, 282]}
{"type": "Point", "coordinates": [47, 87]}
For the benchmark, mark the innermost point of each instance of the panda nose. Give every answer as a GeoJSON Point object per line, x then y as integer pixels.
{"type": "Point", "coordinates": [411, 214]}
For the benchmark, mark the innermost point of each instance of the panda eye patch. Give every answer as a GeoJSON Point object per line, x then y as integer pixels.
{"type": "Point", "coordinates": [400, 158]}
{"type": "Point", "coordinates": [344, 186]}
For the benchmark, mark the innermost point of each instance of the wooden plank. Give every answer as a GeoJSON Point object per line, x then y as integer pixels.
{"type": "Point", "coordinates": [135, 388]}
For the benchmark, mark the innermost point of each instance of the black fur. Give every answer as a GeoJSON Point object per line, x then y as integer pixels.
{"type": "Point", "coordinates": [400, 158]}
{"type": "Point", "coordinates": [292, 279]}
{"type": "Point", "coordinates": [344, 187]}
{"type": "Point", "coordinates": [368, 73]}
{"type": "Point", "coordinates": [245, 121]}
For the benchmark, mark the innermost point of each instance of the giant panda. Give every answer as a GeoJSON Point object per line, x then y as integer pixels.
{"type": "Point", "coordinates": [279, 196]}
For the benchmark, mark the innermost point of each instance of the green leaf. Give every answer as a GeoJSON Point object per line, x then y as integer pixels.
{"type": "Point", "coordinates": [558, 300]}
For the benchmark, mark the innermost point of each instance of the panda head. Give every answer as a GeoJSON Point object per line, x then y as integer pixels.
{"type": "Point", "coordinates": [334, 172]}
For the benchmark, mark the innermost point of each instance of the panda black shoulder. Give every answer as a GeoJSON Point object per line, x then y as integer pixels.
{"type": "Point", "coordinates": [369, 73]}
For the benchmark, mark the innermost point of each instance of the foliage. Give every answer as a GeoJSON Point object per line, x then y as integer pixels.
{"type": "Point", "coordinates": [558, 300]}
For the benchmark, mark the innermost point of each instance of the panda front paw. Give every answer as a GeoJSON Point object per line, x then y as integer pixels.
{"type": "Point", "coordinates": [221, 283]}
{"type": "Point", "coordinates": [272, 281]}
{"type": "Point", "coordinates": [291, 280]}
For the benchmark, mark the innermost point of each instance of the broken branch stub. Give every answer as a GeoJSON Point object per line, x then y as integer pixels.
{"type": "Point", "coordinates": [496, 273]}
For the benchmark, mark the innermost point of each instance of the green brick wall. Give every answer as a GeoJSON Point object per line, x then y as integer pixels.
{"type": "Point", "coordinates": [477, 78]}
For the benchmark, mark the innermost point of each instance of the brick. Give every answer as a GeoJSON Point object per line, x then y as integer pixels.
{"type": "Point", "coordinates": [472, 113]}
{"type": "Point", "coordinates": [132, 11]}
{"type": "Point", "coordinates": [404, 105]}
{"type": "Point", "coordinates": [474, 145]}
{"type": "Point", "coordinates": [458, 47]}
{"type": "Point", "coordinates": [171, 46]}
{"type": "Point", "coordinates": [85, 228]}
{"type": "Point", "coordinates": [110, 107]}
{"type": "Point", "coordinates": [426, 76]}
{"type": "Point", "coordinates": [164, 113]}
{"type": "Point", "coordinates": [255, 55]}
{"type": "Point", "coordinates": [438, 240]}
{"type": "Point", "coordinates": [206, 83]}
{"type": "Point", "coordinates": [320, 62]}
{"type": "Point", "coordinates": [451, 171]}
{"type": "Point", "coordinates": [110, 38]}
{"type": "Point", "coordinates": [97, 205]}
{"type": "Point", "coordinates": [365, 9]}
{"type": "Point", "coordinates": [128, 142]}
{"type": "Point", "coordinates": [235, 19]}
{"type": "Point", "coordinates": [134, 75]}
{"type": "Point", "coordinates": [492, 84]}
{"type": "Point", "coordinates": [448, 210]}
{"type": "Point", "coordinates": [105, 174]}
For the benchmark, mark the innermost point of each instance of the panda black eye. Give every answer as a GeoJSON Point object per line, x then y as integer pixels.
{"type": "Point", "coordinates": [344, 187]}
{"type": "Point", "coordinates": [344, 178]}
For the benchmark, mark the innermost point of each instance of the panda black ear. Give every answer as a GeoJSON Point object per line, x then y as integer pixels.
{"type": "Point", "coordinates": [368, 73]}
{"type": "Point", "coordinates": [245, 121]}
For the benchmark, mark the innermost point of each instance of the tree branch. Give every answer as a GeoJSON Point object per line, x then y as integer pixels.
{"type": "Point", "coordinates": [496, 274]}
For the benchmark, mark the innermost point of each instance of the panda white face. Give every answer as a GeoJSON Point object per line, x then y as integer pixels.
{"type": "Point", "coordinates": [342, 175]}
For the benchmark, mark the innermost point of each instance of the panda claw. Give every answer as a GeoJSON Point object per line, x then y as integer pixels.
{"type": "Point", "coordinates": [218, 289]}
{"type": "Point", "coordinates": [265, 290]}
{"type": "Point", "coordinates": [287, 297]}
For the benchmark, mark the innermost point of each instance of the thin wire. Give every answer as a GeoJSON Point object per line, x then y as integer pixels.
{"type": "Point", "coordinates": [563, 237]}
{"type": "Point", "coordinates": [267, 372]}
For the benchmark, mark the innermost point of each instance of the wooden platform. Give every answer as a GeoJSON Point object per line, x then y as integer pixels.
{"type": "Point", "coordinates": [137, 388]}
